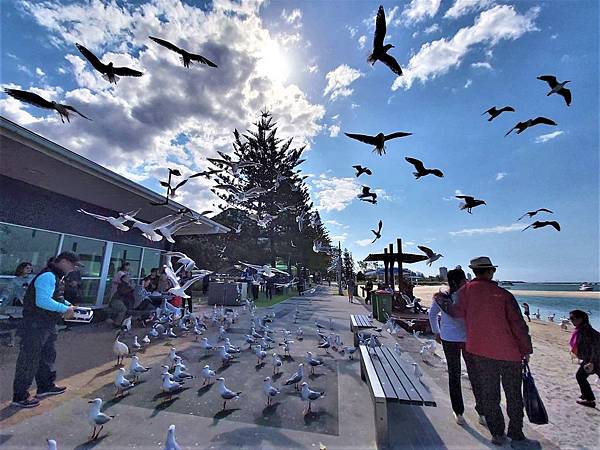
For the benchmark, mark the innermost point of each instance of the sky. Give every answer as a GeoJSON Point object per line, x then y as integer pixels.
{"type": "Point", "coordinates": [307, 63]}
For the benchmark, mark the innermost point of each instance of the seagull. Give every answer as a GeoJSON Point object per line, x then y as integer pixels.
{"type": "Point", "coordinates": [522, 126]}
{"type": "Point", "coordinates": [230, 348]}
{"type": "Point", "coordinates": [380, 50]}
{"type": "Point", "coordinates": [300, 221]}
{"type": "Point", "coordinates": [122, 383]}
{"type": "Point", "coordinates": [179, 290]}
{"type": "Point", "coordinates": [378, 141]}
{"type": "Point", "coordinates": [186, 57]}
{"type": "Point", "coordinates": [242, 196]}
{"type": "Point", "coordinates": [360, 170]}
{"type": "Point", "coordinates": [149, 229]}
{"type": "Point", "coordinates": [312, 362]}
{"type": "Point", "coordinates": [169, 230]}
{"type": "Point", "coordinates": [136, 344]}
{"type": "Point", "coordinates": [207, 374]}
{"type": "Point", "coordinates": [350, 351]}
{"type": "Point", "coordinates": [540, 224]}
{"type": "Point", "coordinates": [117, 222]}
{"type": "Point", "coordinates": [64, 111]}
{"type": "Point", "coordinates": [533, 213]}
{"type": "Point", "coordinates": [417, 371]}
{"type": "Point", "coordinates": [557, 88]}
{"type": "Point", "coordinates": [269, 390]}
{"type": "Point", "coordinates": [173, 356]}
{"type": "Point", "coordinates": [97, 418]}
{"type": "Point", "coordinates": [51, 444]}
{"type": "Point", "coordinates": [135, 368]}
{"type": "Point", "coordinates": [325, 344]}
{"type": "Point", "coordinates": [260, 354]}
{"type": "Point", "coordinates": [171, 443]}
{"type": "Point", "coordinates": [366, 192]}
{"type": "Point", "coordinates": [296, 377]}
{"type": "Point", "coordinates": [378, 232]}
{"type": "Point", "coordinates": [470, 202]}
{"type": "Point", "coordinates": [180, 374]}
{"type": "Point", "coordinates": [225, 357]}
{"type": "Point", "coordinates": [310, 396]}
{"type": "Point", "coordinates": [226, 393]}
{"type": "Point", "coordinates": [287, 346]}
{"type": "Point", "coordinates": [493, 112]}
{"type": "Point", "coordinates": [146, 339]}
{"type": "Point", "coordinates": [120, 349]}
{"type": "Point", "coordinates": [421, 170]}
{"type": "Point", "coordinates": [431, 255]}
{"type": "Point", "coordinates": [170, 386]}
{"type": "Point", "coordinates": [109, 72]}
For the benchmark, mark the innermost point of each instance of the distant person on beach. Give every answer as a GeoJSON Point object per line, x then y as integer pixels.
{"type": "Point", "coordinates": [451, 333]}
{"type": "Point", "coordinates": [498, 342]}
{"type": "Point", "coordinates": [526, 311]}
{"type": "Point", "coordinates": [585, 344]}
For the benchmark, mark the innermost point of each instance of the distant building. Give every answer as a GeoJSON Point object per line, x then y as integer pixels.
{"type": "Point", "coordinates": [444, 273]}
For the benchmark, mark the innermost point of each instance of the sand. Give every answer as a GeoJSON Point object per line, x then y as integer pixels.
{"type": "Point", "coordinates": [571, 425]}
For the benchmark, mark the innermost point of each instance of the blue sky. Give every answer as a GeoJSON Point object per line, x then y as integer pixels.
{"type": "Point", "coordinates": [306, 61]}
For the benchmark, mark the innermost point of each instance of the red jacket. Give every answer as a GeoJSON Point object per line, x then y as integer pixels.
{"type": "Point", "coordinates": [495, 326]}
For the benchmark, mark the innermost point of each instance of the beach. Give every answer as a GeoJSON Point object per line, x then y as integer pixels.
{"type": "Point", "coordinates": [571, 425]}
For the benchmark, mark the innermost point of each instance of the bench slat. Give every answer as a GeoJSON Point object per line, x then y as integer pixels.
{"type": "Point", "coordinates": [397, 380]}
{"type": "Point", "coordinates": [372, 377]}
{"type": "Point", "coordinates": [386, 383]}
{"type": "Point", "coordinates": [405, 386]}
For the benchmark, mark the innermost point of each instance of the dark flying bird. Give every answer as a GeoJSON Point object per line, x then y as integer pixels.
{"type": "Point", "coordinates": [431, 255]}
{"type": "Point", "coordinates": [378, 141]}
{"type": "Point", "coordinates": [540, 224]}
{"type": "Point", "coordinates": [380, 50]}
{"type": "Point", "coordinates": [470, 202]}
{"type": "Point", "coordinates": [557, 88]}
{"type": "Point", "coordinates": [186, 57]}
{"type": "Point", "coordinates": [378, 232]}
{"type": "Point", "coordinates": [366, 193]}
{"type": "Point", "coordinates": [421, 170]}
{"type": "Point", "coordinates": [360, 170]}
{"type": "Point", "coordinates": [533, 213]}
{"type": "Point", "coordinates": [522, 126]}
{"type": "Point", "coordinates": [493, 112]}
{"type": "Point", "coordinates": [372, 200]}
{"type": "Point", "coordinates": [64, 111]}
{"type": "Point", "coordinates": [109, 72]}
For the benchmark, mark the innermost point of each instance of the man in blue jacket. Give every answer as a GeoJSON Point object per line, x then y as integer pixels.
{"type": "Point", "coordinates": [43, 307]}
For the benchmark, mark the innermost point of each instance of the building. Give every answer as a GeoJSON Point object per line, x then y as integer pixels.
{"type": "Point", "coordinates": [43, 185]}
{"type": "Point", "coordinates": [444, 273]}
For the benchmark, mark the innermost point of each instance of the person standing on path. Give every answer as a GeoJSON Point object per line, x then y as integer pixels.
{"type": "Point", "coordinates": [350, 285]}
{"type": "Point", "coordinates": [368, 289]}
{"type": "Point", "coordinates": [585, 344]}
{"type": "Point", "coordinates": [43, 307]}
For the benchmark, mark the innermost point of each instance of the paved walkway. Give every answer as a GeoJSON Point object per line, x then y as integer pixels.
{"type": "Point", "coordinates": [342, 420]}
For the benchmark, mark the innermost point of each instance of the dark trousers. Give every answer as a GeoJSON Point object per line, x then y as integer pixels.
{"type": "Point", "coordinates": [36, 360]}
{"type": "Point", "coordinates": [584, 384]}
{"type": "Point", "coordinates": [453, 351]}
{"type": "Point", "coordinates": [254, 292]}
{"type": "Point", "coordinates": [269, 292]}
{"type": "Point", "coordinates": [189, 305]}
{"type": "Point", "coordinates": [368, 298]}
{"type": "Point", "coordinates": [490, 373]}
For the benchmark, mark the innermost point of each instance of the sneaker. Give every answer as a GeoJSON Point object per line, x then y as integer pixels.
{"type": "Point", "coordinates": [482, 420]}
{"type": "Point", "coordinates": [499, 440]}
{"type": "Point", "coordinates": [27, 403]}
{"type": "Point", "coordinates": [54, 390]}
{"type": "Point", "coordinates": [525, 443]}
{"type": "Point", "coordinates": [588, 403]}
{"type": "Point", "coordinates": [460, 420]}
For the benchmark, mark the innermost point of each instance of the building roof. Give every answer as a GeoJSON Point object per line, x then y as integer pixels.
{"type": "Point", "coordinates": [36, 160]}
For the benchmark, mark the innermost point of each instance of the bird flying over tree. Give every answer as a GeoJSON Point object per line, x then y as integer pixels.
{"type": "Point", "coordinates": [186, 57]}
{"type": "Point", "coordinates": [378, 141]}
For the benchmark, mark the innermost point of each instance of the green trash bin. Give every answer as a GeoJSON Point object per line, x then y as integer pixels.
{"type": "Point", "coordinates": [382, 305]}
{"type": "Point", "coordinates": [374, 303]}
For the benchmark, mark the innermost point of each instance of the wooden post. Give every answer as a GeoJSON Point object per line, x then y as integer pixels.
{"type": "Point", "coordinates": [385, 266]}
{"type": "Point", "coordinates": [400, 269]}
{"type": "Point", "coordinates": [392, 266]}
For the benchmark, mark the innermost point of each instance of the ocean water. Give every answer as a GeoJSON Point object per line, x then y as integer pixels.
{"type": "Point", "coordinates": [561, 306]}
{"type": "Point", "coordinates": [548, 287]}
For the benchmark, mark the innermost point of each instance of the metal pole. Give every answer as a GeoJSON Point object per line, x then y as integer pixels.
{"type": "Point", "coordinates": [392, 266]}
{"type": "Point", "coordinates": [339, 271]}
{"type": "Point", "coordinates": [400, 269]}
{"type": "Point", "coordinates": [386, 280]}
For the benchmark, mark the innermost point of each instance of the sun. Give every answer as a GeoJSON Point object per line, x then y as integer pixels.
{"type": "Point", "coordinates": [274, 63]}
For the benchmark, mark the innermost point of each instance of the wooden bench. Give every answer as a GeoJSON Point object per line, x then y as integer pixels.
{"type": "Point", "coordinates": [390, 379]}
{"type": "Point", "coordinates": [359, 322]}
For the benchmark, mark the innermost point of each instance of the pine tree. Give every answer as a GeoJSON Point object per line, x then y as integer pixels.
{"type": "Point", "coordinates": [347, 265]}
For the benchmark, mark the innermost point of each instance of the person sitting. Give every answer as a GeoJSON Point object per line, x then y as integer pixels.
{"type": "Point", "coordinates": [13, 293]}
{"type": "Point", "coordinates": [121, 301]}
{"type": "Point", "coordinates": [153, 277]}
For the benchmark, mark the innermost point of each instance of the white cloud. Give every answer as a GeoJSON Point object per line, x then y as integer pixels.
{"type": "Point", "coordinates": [338, 237]}
{"type": "Point", "coordinates": [335, 223]}
{"type": "Point", "coordinates": [294, 17]}
{"type": "Point", "coordinates": [352, 30]}
{"type": "Point", "coordinates": [462, 7]}
{"type": "Point", "coordinates": [24, 69]}
{"type": "Point", "coordinates": [500, 229]}
{"type": "Point", "coordinates": [419, 10]}
{"type": "Point", "coordinates": [500, 175]}
{"type": "Point", "coordinates": [364, 242]}
{"type": "Point", "coordinates": [334, 194]}
{"type": "Point", "coordinates": [338, 81]}
{"type": "Point", "coordinates": [468, 84]}
{"type": "Point", "coordinates": [481, 65]}
{"type": "Point", "coordinates": [334, 130]}
{"type": "Point", "coordinates": [547, 137]}
{"type": "Point", "coordinates": [432, 29]}
{"type": "Point", "coordinates": [390, 18]}
{"type": "Point", "coordinates": [362, 41]}
{"type": "Point", "coordinates": [492, 26]}
{"type": "Point", "coordinates": [554, 36]}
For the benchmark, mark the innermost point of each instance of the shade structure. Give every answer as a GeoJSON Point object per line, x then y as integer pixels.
{"type": "Point", "coordinates": [408, 258]}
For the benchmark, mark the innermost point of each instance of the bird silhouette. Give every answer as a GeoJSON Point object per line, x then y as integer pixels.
{"type": "Point", "coordinates": [378, 232]}
{"type": "Point", "coordinates": [109, 71]}
{"type": "Point", "coordinates": [380, 51]}
{"type": "Point", "coordinates": [366, 193]}
{"type": "Point", "coordinates": [378, 141]}
{"type": "Point", "coordinates": [186, 57]}
{"type": "Point", "coordinates": [493, 112]}
{"type": "Point", "coordinates": [522, 126]}
{"type": "Point", "coordinates": [557, 88]}
{"type": "Point", "coordinates": [533, 213]}
{"type": "Point", "coordinates": [421, 170]}
{"type": "Point", "coordinates": [360, 170]}
{"type": "Point", "coordinates": [64, 111]}
{"type": "Point", "coordinates": [470, 202]}
{"type": "Point", "coordinates": [540, 224]}
{"type": "Point", "coordinates": [431, 255]}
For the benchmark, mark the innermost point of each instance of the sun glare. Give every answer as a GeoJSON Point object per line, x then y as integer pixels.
{"type": "Point", "coordinates": [274, 63]}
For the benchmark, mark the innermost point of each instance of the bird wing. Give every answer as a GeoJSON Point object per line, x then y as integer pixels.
{"type": "Point", "coordinates": [550, 79]}
{"type": "Point", "coordinates": [188, 283]}
{"type": "Point", "coordinates": [181, 183]}
{"type": "Point", "coordinates": [529, 226]}
{"type": "Point", "coordinates": [437, 173]}
{"type": "Point", "coordinates": [127, 72]}
{"type": "Point", "coordinates": [228, 187]}
{"type": "Point", "coordinates": [543, 120]}
{"type": "Point", "coordinates": [366, 190]}
{"type": "Point", "coordinates": [358, 168]}
{"type": "Point", "coordinates": [166, 44]}
{"type": "Point", "coordinates": [380, 226]}
{"type": "Point", "coordinates": [396, 135]}
{"type": "Point", "coordinates": [171, 275]}
{"type": "Point", "coordinates": [202, 59]}
{"type": "Point", "coordinates": [511, 130]}
{"type": "Point", "coordinates": [545, 210]}
{"type": "Point", "coordinates": [490, 111]}
{"type": "Point", "coordinates": [554, 224]}
{"type": "Point", "coordinates": [426, 250]}
{"type": "Point", "coordinates": [93, 59]}
{"type": "Point", "coordinates": [522, 216]}
{"type": "Point", "coordinates": [178, 254]}
{"type": "Point", "coordinates": [415, 162]}
{"type": "Point", "coordinates": [507, 109]}
{"type": "Point", "coordinates": [70, 108]}
{"type": "Point", "coordinates": [466, 198]}
{"type": "Point", "coordinates": [391, 62]}
{"type": "Point", "coordinates": [97, 216]}
{"type": "Point", "coordinates": [165, 221]}
{"type": "Point", "coordinates": [29, 97]}
{"type": "Point", "coordinates": [380, 29]}
{"type": "Point", "coordinates": [363, 138]}
{"type": "Point", "coordinates": [566, 93]}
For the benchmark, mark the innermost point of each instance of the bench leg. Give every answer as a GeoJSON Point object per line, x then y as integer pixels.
{"type": "Point", "coordinates": [356, 342]}
{"type": "Point", "coordinates": [381, 424]}
{"type": "Point", "coordinates": [363, 375]}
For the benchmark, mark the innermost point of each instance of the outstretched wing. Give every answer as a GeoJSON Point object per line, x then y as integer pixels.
{"type": "Point", "coordinates": [415, 162]}
{"type": "Point", "coordinates": [544, 210]}
{"type": "Point", "coordinates": [202, 59]}
{"type": "Point", "coordinates": [29, 97]}
{"type": "Point", "coordinates": [93, 59]}
{"type": "Point", "coordinates": [380, 29]}
{"type": "Point", "coordinates": [366, 190]}
{"type": "Point", "coordinates": [177, 186]}
{"type": "Point", "coordinates": [437, 173]}
{"type": "Point", "coordinates": [466, 198]}
{"type": "Point", "coordinates": [522, 216]}
{"type": "Point", "coordinates": [554, 224]}
{"type": "Point", "coordinates": [165, 221]}
{"type": "Point", "coordinates": [166, 44]}
{"type": "Point", "coordinates": [550, 79]}
{"type": "Point", "coordinates": [380, 226]}
{"type": "Point", "coordinates": [391, 62]}
{"type": "Point", "coordinates": [396, 135]}
{"type": "Point", "coordinates": [127, 72]}
{"type": "Point", "coordinates": [191, 281]}
{"type": "Point", "coordinates": [566, 93]}
{"type": "Point", "coordinates": [543, 120]}
{"type": "Point", "coordinates": [70, 108]}
{"type": "Point", "coordinates": [97, 216]}
{"type": "Point", "coordinates": [507, 109]}
{"type": "Point", "coordinates": [363, 138]}
{"type": "Point", "coordinates": [511, 130]}
{"type": "Point", "coordinates": [426, 250]}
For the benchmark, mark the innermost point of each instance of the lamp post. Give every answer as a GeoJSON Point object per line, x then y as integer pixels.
{"type": "Point", "coordinates": [339, 269]}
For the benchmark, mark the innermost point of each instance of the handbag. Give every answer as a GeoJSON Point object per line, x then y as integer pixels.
{"type": "Point", "coordinates": [534, 407]}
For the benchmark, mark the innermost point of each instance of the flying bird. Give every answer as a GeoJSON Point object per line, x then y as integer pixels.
{"type": "Point", "coordinates": [540, 224]}
{"type": "Point", "coordinates": [378, 232]}
{"type": "Point", "coordinates": [378, 140]}
{"type": "Point", "coordinates": [431, 255]}
{"type": "Point", "coordinates": [109, 72]}
{"type": "Point", "coordinates": [380, 50]}
{"type": "Point", "coordinates": [470, 202]}
{"type": "Point", "coordinates": [360, 170]}
{"type": "Point", "coordinates": [64, 111]}
{"type": "Point", "coordinates": [117, 222]}
{"type": "Point", "coordinates": [186, 57]}
{"type": "Point", "coordinates": [522, 126]}
{"type": "Point", "coordinates": [533, 213]}
{"type": "Point", "coordinates": [493, 112]}
{"type": "Point", "coordinates": [366, 193]}
{"type": "Point", "coordinates": [557, 88]}
{"type": "Point", "coordinates": [421, 170]}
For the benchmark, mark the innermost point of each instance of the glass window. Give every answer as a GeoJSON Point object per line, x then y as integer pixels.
{"type": "Point", "coordinates": [122, 253]}
{"type": "Point", "coordinates": [19, 244]}
{"type": "Point", "coordinates": [90, 251]}
{"type": "Point", "coordinates": [151, 260]}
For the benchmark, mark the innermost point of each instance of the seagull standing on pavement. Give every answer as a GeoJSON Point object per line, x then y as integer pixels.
{"type": "Point", "coordinates": [226, 393]}
{"type": "Point", "coordinates": [97, 418]}
{"type": "Point", "coordinates": [121, 383]}
{"type": "Point", "coordinates": [312, 362]}
{"type": "Point", "coordinates": [296, 378]}
{"type": "Point", "coordinates": [171, 443]}
{"type": "Point", "coordinates": [310, 396]}
{"type": "Point", "coordinates": [276, 363]}
{"type": "Point", "coordinates": [136, 368]}
{"type": "Point", "coordinates": [557, 88]}
{"type": "Point", "coordinates": [207, 374]}
{"type": "Point", "coordinates": [269, 390]}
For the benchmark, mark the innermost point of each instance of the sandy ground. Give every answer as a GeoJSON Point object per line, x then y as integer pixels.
{"type": "Point", "coordinates": [425, 292]}
{"type": "Point", "coordinates": [571, 425]}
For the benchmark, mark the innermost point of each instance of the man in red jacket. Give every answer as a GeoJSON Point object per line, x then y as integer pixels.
{"type": "Point", "coordinates": [497, 343]}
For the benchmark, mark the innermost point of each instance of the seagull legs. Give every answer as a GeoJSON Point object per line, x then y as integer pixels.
{"type": "Point", "coordinates": [224, 403]}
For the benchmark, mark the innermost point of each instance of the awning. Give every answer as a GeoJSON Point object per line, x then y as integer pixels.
{"type": "Point", "coordinates": [408, 258]}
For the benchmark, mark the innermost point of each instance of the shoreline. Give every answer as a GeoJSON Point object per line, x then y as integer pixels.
{"type": "Point", "coordinates": [425, 292]}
